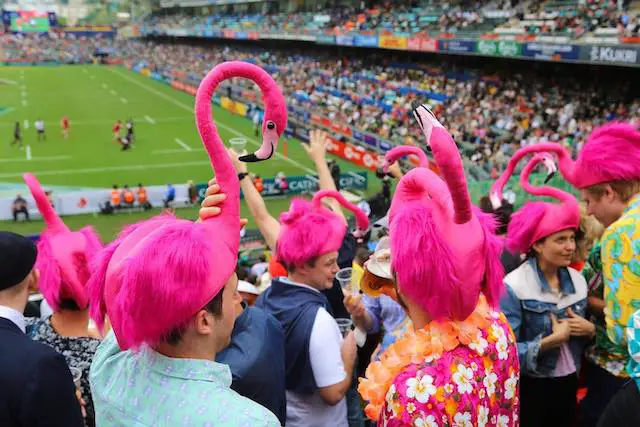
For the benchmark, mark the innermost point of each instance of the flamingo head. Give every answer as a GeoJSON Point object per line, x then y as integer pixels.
{"type": "Point", "coordinates": [273, 126]}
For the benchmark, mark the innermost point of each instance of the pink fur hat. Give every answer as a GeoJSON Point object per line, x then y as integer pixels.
{"type": "Point", "coordinates": [612, 153]}
{"type": "Point", "coordinates": [308, 231]}
{"type": "Point", "coordinates": [63, 255]}
{"type": "Point", "coordinates": [444, 251]}
{"type": "Point", "coordinates": [537, 220]}
{"type": "Point", "coordinates": [158, 273]}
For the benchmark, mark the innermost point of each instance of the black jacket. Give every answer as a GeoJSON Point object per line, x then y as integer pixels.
{"type": "Point", "coordinates": [36, 387]}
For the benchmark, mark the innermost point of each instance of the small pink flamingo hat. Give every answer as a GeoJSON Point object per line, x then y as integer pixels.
{"type": "Point", "coordinates": [158, 273]}
{"type": "Point", "coordinates": [310, 230]}
{"type": "Point", "coordinates": [444, 251]}
{"type": "Point", "coordinates": [537, 220]}
{"type": "Point", "coordinates": [404, 150]}
{"type": "Point", "coordinates": [63, 255]}
{"type": "Point", "coordinates": [612, 153]}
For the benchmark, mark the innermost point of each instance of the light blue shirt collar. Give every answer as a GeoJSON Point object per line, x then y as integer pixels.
{"type": "Point", "coordinates": [14, 316]}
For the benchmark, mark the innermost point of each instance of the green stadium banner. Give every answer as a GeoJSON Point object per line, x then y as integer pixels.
{"type": "Point", "coordinates": [303, 185]}
{"type": "Point", "coordinates": [505, 48]}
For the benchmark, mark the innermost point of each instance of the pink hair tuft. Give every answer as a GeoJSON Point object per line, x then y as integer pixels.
{"type": "Point", "coordinates": [493, 286]}
{"type": "Point", "coordinates": [524, 225]}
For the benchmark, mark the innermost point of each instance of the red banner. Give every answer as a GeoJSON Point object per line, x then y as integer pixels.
{"type": "Point", "coordinates": [253, 35]}
{"type": "Point", "coordinates": [422, 44]}
{"type": "Point", "coordinates": [229, 34]}
{"type": "Point", "coordinates": [191, 90]}
{"type": "Point", "coordinates": [339, 128]}
{"type": "Point", "coordinates": [355, 154]}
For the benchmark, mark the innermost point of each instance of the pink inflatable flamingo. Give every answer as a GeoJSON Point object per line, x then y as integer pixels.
{"type": "Point", "coordinates": [362, 220]}
{"type": "Point", "coordinates": [275, 112]}
{"type": "Point", "coordinates": [63, 255]}
{"type": "Point", "coordinates": [444, 251]}
{"type": "Point", "coordinates": [536, 220]}
{"type": "Point", "coordinates": [611, 153]}
{"type": "Point", "coordinates": [404, 150]}
{"type": "Point", "coordinates": [158, 273]}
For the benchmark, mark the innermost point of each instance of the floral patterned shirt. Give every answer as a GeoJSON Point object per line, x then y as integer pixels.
{"type": "Point", "coordinates": [621, 271]}
{"type": "Point", "coordinates": [472, 385]}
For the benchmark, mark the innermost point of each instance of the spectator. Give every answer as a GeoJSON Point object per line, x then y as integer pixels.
{"type": "Point", "coordinates": [192, 192]}
{"type": "Point", "coordinates": [170, 195]}
{"type": "Point", "coordinates": [19, 206]}
{"type": "Point", "coordinates": [178, 348]}
{"type": "Point", "coordinates": [256, 357]}
{"type": "Point", "coordinates": [37, 387]}
{"type": "Point", "coordinates": [143, 198]}
{"type": "Point", "coordinates": [260, 267]}
{"type": "Point", "coordinates": [248, 292]}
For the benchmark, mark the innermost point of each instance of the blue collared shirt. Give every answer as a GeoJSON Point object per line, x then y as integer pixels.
{"type": "Point", "coordinates": [145, 388]}
{"type": "Point", "coordinates": [389, 315]}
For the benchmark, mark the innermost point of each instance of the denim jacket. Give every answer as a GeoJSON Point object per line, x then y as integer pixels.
{"type": "Point", "coordinates": [528, 304]}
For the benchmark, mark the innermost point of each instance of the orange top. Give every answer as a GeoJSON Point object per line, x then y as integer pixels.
{"type": "Point", "coordinates": [142, 195]}
{"type": "Point", "coordinates": [115, 197]}
{"type": "Point", "coordinates": [128, 196]}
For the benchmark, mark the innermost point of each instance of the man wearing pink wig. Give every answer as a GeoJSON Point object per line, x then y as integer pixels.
{"type": "Point", "coordinates": [459, 366]}
{"type": "Point", "coordinates": [319, 363]}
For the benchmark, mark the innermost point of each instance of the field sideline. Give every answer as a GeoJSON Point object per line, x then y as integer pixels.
{"type": "Point", "coordinates": [167, 149]}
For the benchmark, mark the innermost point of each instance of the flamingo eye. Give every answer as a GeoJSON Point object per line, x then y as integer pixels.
{"type": "Point", "coordinates": [271, 125]}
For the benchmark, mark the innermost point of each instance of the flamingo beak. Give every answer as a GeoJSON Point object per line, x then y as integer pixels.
{"type": "Point", "coordinates": [269, 141]}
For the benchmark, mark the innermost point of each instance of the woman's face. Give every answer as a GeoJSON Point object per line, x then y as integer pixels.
{"type": "Point", "coordinates": [557, 249]}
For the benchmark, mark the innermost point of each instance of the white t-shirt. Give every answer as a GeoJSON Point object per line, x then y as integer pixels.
{"type": "Point", "coordinates": [325, 355]}
{"type": "Point", "coordinates": [39, 125]}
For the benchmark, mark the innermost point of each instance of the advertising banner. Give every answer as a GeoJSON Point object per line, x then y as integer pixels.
{"type": "Point", "coordinates": [241, 35]}
{"type": "Point", "coordinates": [365, 40]}
{"type": "Point", "coordinates": [505, 48]}
{"type": "Point", "coordinates": [422, 44]}
{"type": "Point", "coordinates": [324, 39]}
{"type": "Point", "coordinates": [235, 107]}
{"type": "Point", "coordinates": [355, 154]}
{"type": "Point", "coordinates": [457, 46]}
{"type": "Point", "coordinates": [624, 55]}
{"type": "Point", "coordinates": [551, 52]}
{"type": "Point", "coordinates": [228, 34]}
{"type": "Point", "coordinates": [191, 90]}
{"type": "Point", "coordinates": [392, 42]}
{"type": "Point", "coordinates": [253, 35]}
{"type": "Point", "coordinates": [344, 40]}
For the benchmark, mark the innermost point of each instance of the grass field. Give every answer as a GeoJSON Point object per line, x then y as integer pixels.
{"type": "Point", "coordinates": [167, 149]}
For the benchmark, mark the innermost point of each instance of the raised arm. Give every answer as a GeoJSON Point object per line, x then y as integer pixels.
{"type": "Point", "coordinates": [316, 150]}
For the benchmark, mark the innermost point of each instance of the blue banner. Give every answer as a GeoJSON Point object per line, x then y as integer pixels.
{"type": "Point", "coordinates": [241, 35]}
{"type": "Point", "coordinates": [322, 39]}
{"type": "Point", "coordinates": [344, 40]}
{"type": "Point", "coordinates": [365, 40]}
{"type": "Point", "coordinates": [457, 46]}
{"type": "Point", "coordinates": [551, 52]}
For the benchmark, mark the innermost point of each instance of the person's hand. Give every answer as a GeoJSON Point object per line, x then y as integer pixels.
{"type": "Point", "coordinates": [83, 404]}
{"type": "Point", "coordinates": [209, 206]}
{"type": "Point", "coordinates": [561, 330]}
{"type": "Point", "coordinates": [349, 349]}
{"type": "Point", "coordinates": [394, 170]}
{"type": "Point", "coordinates": [241, 167]}
{"type": "Point", "coordinates": [317, 146]}
{"type": "Point", "coordinates": [354, 305]}
{"type": "Point", "coordinates": [579, 326]}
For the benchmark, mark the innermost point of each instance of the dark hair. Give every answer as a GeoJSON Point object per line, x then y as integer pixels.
{"type": "Point", "coordinates": [214, 307]}
{"type": "Point", "coordinates": [69, 304]}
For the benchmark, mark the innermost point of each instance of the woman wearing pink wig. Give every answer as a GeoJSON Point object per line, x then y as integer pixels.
{"type": "Point", "coordinates": [63, 261]}
{"type": "Point", "coordinates": [459, 366]}
{"type": "Point", "coordinates": [546, 302]}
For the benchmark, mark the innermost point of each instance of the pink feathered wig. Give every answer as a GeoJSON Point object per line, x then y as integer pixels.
{"type": "Point", "coordinates": [308, 232]}
{"type": "Point", "coordinates": [537, 220]}
{"type": "Point", "coordinates": [63, 255]}
{"type": "Point", "coordinates": [444, 251]}
{"type": "Point", "coordinates": [159, 273]}
{"type": "Point", "coordinates": [612, 153]}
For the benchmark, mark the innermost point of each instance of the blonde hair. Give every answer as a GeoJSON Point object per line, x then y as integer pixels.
{"type": "Point", "coordinates": [624, 189]}
{"type": "Point", "coordinates": [591, 230]}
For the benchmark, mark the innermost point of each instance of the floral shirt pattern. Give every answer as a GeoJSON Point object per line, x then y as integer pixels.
{"type": "Point", "coordinates": [471, 385]}
{"type": "Point", "coordinates": [621, 271]}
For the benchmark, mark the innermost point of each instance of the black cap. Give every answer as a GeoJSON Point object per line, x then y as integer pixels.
{"type": "Point", "coordinates": [17, 258]}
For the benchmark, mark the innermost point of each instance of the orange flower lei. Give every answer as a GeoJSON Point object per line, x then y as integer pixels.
{"type": "Point", "coordinates": [413, 348]}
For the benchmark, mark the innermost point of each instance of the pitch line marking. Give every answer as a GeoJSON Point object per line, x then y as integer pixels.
{"type": "Point", "coordinates": [220, 125]}
{"type": "Point", "coordinates": [36, 159]}
{"type": "Point", "coordinates": [124, 100]}
{"type": "Point", "coordinates": [182, 144]}
{"type": "Point", "coordinates": [28, 152]}
{"type": "Point", "coordinates": [109, 169]}
{"type": "Point", "coordinates": [150, 120]}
